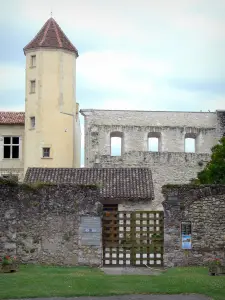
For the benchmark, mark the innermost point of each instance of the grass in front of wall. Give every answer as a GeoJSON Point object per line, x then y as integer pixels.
{"type": "Point", "coordinates": [49, 281]}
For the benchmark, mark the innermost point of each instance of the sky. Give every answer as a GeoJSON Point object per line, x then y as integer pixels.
{"type": "Point", "coordinates": [141, 55]}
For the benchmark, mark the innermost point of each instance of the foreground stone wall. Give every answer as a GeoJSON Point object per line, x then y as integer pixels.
{"type": "Point", "coordinates": [41, 225]}
{"type": "Point", "coordinates": [204, 207]}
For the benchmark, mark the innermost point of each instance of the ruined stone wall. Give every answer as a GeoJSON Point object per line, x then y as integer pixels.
{"type": "Point", "coordinates": [135, 126]}
{"type": "Point", "coordinates": [42, 225]}
{"type": "Point", "coordinates": [171, 164]}
{"type": "Point", "coordinates": [204, 207]}
{"type": "Point", "coordinates": [221, 123]}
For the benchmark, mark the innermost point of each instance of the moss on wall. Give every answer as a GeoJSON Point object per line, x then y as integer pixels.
{"type": "Point", "coordinates": [39, 185]}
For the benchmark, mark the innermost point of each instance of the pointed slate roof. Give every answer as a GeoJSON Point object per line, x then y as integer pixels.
{"type": "Point", "coordinates": [51, 36]}
{"type": "Point", "coordinates": [114, 183]}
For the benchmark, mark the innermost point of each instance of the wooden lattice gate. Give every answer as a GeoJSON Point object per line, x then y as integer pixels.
{"type": "Point", "coordinates": [133, 238]}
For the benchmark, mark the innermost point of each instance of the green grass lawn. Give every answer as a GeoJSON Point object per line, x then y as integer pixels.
{"type": "Point", "coordinates": [49, 281]}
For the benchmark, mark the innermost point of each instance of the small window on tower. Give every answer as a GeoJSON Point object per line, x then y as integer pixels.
{"type": "Point", "coordinates": [45, 152]}
{"type": "Point", "coordinates": [33, 61]}
{"type": "Point", "coordinates": [32, 86]}
{"type": "Point", "coordinates": [32, 122]}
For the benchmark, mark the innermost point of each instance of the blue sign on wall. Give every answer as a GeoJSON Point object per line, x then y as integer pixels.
{"type": "Point", "coordinates": [186, 241]}
{"type": "Point", "coordinates": [186, 235]}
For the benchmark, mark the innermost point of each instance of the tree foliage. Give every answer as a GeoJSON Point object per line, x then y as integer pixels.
{"type": "Point", "coordinates": [214, 171]}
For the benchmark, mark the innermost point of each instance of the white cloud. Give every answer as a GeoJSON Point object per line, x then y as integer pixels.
{"type": "Point", "coordinates": [146, 44]}
{"type": "Point", "coordinates": [10, 108]}
{"type": "Point", "coordinates": [11, 77]}
{"type": "Point", "coordinates": [119, 72]}
{"type": "Point", "coordinates": [129, 19]}
{"type": "Point", "coordinates": [215, 103]}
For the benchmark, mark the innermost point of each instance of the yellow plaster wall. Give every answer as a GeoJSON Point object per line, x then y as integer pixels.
{"type": "Point", "coordinates": [54, 73]}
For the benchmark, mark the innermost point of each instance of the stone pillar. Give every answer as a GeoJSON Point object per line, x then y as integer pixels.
{"type": "Point", "coordinates": [172, 220]}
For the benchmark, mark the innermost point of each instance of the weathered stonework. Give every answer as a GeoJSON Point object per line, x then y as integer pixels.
{"type": "Point", "coordinates": [204, 207]}
{"type": "Point", "coordinates": [221, 122]}
{"type": "Point", "coordinates": [41, 224]}
{"type": "Point", "coordinates": [171, 164]}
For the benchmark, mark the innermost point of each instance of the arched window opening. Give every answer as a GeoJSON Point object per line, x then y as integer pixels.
{"type": "Point", "coordinates": [190, 142]}
{"type": "Point", "coordinates": [116, 143]}
{"type": "Point", "coordinates": [153, 144]}
{"type": "Point", "coordinates": [154, 139]}
{"type": "Point", "coordinates": [189, 145]}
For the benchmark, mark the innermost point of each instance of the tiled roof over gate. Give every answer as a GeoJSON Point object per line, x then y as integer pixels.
{"type": "Point", "coordinates": [132, 183]}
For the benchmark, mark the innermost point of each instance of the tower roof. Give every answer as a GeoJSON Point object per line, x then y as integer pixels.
{"type": "Point", "coordinates": [51, 36]}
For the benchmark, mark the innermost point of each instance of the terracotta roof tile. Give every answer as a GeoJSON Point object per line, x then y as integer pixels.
{"type": "Point", "coordinates": [51, 36]}
{"type": "Point", "coordinates": [119, 183]}
{"type": "Point", "coordinates": [12, 117]}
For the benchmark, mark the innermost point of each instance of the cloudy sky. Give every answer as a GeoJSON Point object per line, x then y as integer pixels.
{"type": "Point", "coordinates": [143, 54]}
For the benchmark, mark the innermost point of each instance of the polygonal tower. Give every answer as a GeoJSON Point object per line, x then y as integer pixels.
{"type": "Point", "coordinates": [52, 133]}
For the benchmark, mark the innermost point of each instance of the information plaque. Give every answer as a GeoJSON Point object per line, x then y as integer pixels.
{"type": "Point", "coordinates": [186, 235]}
{"type": "Point", "coordinates": [90, 231]}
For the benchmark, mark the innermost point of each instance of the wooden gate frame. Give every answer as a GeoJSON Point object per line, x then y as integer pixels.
{"type": "Point", "coordinates": [123, 244]}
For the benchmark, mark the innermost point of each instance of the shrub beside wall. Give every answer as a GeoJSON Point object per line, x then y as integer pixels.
{"type": "Point", "coordinates": [40, 223]}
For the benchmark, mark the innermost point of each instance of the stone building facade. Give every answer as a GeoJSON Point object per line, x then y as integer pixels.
{"type": "Point", "coordinates": [12, 144]}
{"type": "Point", "coordinates": [170, 163]}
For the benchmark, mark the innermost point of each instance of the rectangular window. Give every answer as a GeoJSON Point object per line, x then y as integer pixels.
{"type": "Point", "coordinates": [11, 147]}
{"type": "Point", "coordinates": [33, 61]}
{"type": "Point", "coordinates": [45, 152]}
{"type": "Point", "coordinates": [32, 122]}
{"type": "Point", "coordinates": [32, 86]}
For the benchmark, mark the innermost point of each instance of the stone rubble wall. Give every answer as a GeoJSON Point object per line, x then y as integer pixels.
{"type": "Point", "coordinates": [204, 207]}
{"type": "Point", "coordinates": [221, 123]}
{"type": "Point", "coordinates": [171, 164]}
{"type": "Point", "coordinates": [41, 225]}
